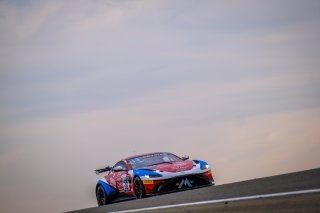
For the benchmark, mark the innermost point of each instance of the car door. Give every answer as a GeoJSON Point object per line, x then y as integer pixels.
{"type": "Point", "coordinates": [122, 177]}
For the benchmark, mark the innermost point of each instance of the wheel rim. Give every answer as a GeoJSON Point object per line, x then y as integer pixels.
{"type": "Point", "coordinates": [101, 196]}
{"type": "Point", "coordinates": [137, 188]}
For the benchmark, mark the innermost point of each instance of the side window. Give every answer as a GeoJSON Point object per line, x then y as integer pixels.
{"type": "Point", "coordinates": [121, 165]}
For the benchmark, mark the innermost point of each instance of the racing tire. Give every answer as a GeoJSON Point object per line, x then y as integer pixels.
{"type": "Point", "coordinates": [101, 196]}
{"type": "Point", "coordinates": [138, 188]}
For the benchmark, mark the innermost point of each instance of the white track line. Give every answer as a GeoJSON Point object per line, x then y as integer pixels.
{"type": "Point", "coordinates": [223, 200]}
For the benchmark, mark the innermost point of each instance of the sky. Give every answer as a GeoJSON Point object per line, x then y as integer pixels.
{"type": "Point", "coordinates": [84, 84]}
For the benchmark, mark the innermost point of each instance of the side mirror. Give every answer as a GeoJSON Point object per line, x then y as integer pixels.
{"type": "Point", "coordinates": [119, 169]}
{"type": "Point", "coordinates": [184, 157]}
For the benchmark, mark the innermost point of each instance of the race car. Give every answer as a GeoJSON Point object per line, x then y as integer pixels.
{"type": "Point", "coordinates": [151, 174]}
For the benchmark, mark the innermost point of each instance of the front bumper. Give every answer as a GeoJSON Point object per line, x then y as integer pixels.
{"type": "Point", "coordinates": [179, 183]}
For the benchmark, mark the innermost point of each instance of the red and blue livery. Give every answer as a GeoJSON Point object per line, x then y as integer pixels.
{"type": "Point", "coordinates": [150, 174]}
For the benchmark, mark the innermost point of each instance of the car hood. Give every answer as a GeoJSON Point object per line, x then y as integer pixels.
{"type": "Point", "coordinates": [174, 166]}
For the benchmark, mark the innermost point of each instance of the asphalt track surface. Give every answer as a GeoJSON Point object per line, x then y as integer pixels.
{"type": "Point", "coordinates": [293, 182]}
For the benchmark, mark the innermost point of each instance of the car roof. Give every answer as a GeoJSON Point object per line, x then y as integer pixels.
{"type": "Point", "coordinates": [136, 156]}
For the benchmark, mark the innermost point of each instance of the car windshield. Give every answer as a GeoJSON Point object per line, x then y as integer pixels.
{"type": "Point", "coordinates": [152, 159]}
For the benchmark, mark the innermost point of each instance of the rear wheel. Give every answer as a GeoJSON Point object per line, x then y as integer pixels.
{"type": "Point", "coordinates": [138, 188]}
{"type": "Point", "coordinates": [101, 196]}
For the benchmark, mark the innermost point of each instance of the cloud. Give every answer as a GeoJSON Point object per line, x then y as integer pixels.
{"type": "Point", "coordinates": [239, 148]}
{"type": "Point", "coordinates": [84, 84]}
{"type": "Point", "coordinates": [274, 143]}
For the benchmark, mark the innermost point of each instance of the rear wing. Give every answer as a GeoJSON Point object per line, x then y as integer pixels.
{"type": "Point", "coordinates": [98, 171]}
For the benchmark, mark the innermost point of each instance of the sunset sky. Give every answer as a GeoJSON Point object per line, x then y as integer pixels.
{"type": "Point", "coordinates": [84, 84]}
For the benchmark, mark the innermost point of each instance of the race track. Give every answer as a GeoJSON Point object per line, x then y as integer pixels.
{"type": "Point", "coordinates": [217, 198]}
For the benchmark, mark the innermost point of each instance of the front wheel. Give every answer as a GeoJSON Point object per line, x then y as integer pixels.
{"type": "Point", "coordinates": [138, 188]}
{"type": "Point", "coordinates": [101, 196]}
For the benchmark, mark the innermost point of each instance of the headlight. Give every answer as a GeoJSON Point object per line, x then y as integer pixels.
{"type": "Point", "coordinates": [204, 167]}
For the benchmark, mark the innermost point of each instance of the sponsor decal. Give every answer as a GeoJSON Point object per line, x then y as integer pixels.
{"type": "Point", "coordinates": [180, 164]}
{"type": "Point", "coordinates": [147, 181]}
{"type": "Point", "coordinates": [125, 183]}
{"type": "Point", "coordinates": [184, 183]}
{"type": "Point", "coordinates": [112, 181]}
